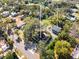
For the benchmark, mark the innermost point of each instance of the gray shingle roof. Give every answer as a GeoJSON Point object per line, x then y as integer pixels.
{"type": "Point", "coordinates": [56, 28]}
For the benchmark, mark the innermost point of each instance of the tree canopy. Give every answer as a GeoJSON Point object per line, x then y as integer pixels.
{"type": "Point", "coordinates": [62, 49]}
{"type": "Point", "coordinates": [9, 55]}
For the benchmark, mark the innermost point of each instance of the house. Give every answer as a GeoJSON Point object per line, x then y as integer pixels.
{"type": "Point", "coordinates": [76, 15]}
{"type": "Point", "coordinates": [71, 1]}
{"type": "Point", "coordinates": [14, 14]}
{"type": "Point", "coordinates": [56, 29]}
{"type": "Point", "coordinates": [5, 13]}
{"type": "Point", "coordinates": [71, 17]}
{"type": "Point", "coordinates": [3, 45]}
{"type": "Point", "coordinates": [72, 10]}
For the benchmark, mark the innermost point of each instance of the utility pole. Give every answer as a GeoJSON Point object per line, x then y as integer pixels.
{"type": "Point", "coordinates": [40, 20]}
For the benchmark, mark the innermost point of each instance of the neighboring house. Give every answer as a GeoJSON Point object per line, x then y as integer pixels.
{"type": "Point", "coordinates": [71, 1]}
{"type": "Point", "coordinates": [13, 14]}
{"type": "Point", "coordinates": [3, 45]}
{"type": "Point", "coordinates": [73, 10]}
{"type": "Point", "coordinates": [76, 15]}
{"type": "Point", "coordinates": [71, 17]}
{"type": "Point", "coordinates": [56, 29]}
{"type": "Point", "coordinates": [5, 13]}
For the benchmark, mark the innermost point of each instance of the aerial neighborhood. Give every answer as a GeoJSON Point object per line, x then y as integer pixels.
{"type": "Point", "coordinates": [39, 29]}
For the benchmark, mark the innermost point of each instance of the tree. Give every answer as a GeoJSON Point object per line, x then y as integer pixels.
{"type": "Point", "coordinates": [72, 41]}
{"type": "Point", "coordinates": [5, 1]}
{"type": "Point", "coordinates": [29, 28]}
{"type": "Point", "coordinates": [67, 25]}
{"type": "Point", "coordinates": [9, 55]}
{"type": "Point", "coordinates": [62, 49]}
{"type": "Point", "coordinates": [52, 44]}
{"type": "Point", "coordinates": [65, 36]}
{"type": "Point", "coordinates": [45, 53]}
{"type": "Point", "coordinates": [10, 42]}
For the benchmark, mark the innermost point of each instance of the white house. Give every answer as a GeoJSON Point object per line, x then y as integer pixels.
{"type": "Point", "coordinates": [13, 14]}
{"type": "Point", "coordinates": [5, 13]}
{"type": "Point", "coordinates": [5, 47]}
{"type": "Point", "coordinates": [71, 17]}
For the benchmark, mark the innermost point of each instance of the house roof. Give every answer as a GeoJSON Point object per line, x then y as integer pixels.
{"type": "Point", "coordinates": [3, 45]}
{"type": "Point", "coordinates": [5, 13]}
{"type": "Point", "coordinates": [71, 17]}
{"type": "Point", "coordinates": [14, 14]}
{"type": "Point", "coordinates": [73, 10]}
{"type": "Point", "coordinates": [56, 28]}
